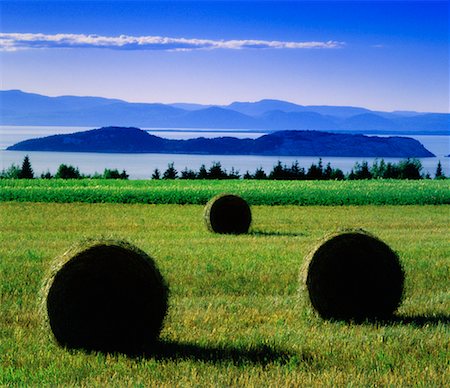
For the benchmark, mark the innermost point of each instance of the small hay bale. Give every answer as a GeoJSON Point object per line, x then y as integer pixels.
{"type": "Point", "coordinates": [105, 296]}
{"type": "Point", "coordinates": [228, 213]}
{"type": "Point", "coordinates": [353, 276]}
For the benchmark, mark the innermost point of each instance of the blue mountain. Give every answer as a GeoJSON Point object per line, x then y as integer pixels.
{"type": "Point", "coordinates": [20, 108]}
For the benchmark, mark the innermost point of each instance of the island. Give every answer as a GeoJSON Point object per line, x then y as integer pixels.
{"type": "Point", "coordinates": [281, 143]}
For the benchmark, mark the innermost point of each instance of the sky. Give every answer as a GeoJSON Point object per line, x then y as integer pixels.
{"type": "Point", "coordinates": [382, 55]}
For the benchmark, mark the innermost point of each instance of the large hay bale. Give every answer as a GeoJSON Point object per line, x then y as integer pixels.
{"type": "Point", "coordinates": [106, 296]}
{"type": "Point", "coordinates": [228, 213]}
{"type": "Point", "coordinates": [353, 276]}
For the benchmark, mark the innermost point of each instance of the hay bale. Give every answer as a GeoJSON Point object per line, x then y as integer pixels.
{"type": "Point", "coordinates": [228, 213]}
{"type": "Point", "coordinates": [105, 296]}
{"type": "Point", "coordinates": [353, 276]}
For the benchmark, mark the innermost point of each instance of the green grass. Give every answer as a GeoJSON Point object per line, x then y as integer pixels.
{"type": "Point", "coordinates": [378, 192]}
{"type": "Point", "coordinates": [235, 315]}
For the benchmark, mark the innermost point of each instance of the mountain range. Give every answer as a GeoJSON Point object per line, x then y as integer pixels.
{"type": "Point", "coordinates": [282, 143]}
{"type": "Point", "coordinates": [21, 108]}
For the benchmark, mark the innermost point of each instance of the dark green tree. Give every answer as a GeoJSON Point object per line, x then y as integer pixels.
{"type": "Point", "coordinates": [156, 174]}
{"type": "Point", "coordinates": [26, 172]}
{"type": "Point", "coordinates": [410, 169]}
{"type": "Point", "coordinates": [247, 175]}
{"type": "Point", "coordinates": [278, 172]}
{"type": "Point", "coordinates": [259, 174]}
{"type": "Point", "coordinates": [296, 172]}
{"type": "Point", "coordinates": [188, 174]}
{"type": "Point", "coordinates": [439, 174]}
{"type": "Point", "coordinates": [202, 172]}
{"type": "Point", "coordinates": [361, 171]}
{"type": "Point", "coordinates": [46, 175]}
{"type": "Point", "coordinates": [337, 174]}
{"type": "Point", "coordinates": [234, 174]}
{"type": "Point", "coordinates": [171, 172]}
{"type": "Point", "coordinates": [216, 172]}
{"type": "Point", "coordinates": [67, 172]}
{"type": "Point", "coordinates": [315, 172]}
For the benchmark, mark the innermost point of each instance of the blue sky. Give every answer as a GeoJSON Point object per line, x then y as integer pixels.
{"type": "Point", "coordinates": [381, 55]}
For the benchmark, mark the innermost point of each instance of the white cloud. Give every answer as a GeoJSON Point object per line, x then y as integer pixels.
{"type": "Point", "coordinates": [20, 41]}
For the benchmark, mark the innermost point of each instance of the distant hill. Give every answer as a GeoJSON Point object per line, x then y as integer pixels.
{"type": "Point", "coordinates": [20, 108]}
{"type": "Point", "coordinates": [282, 143]}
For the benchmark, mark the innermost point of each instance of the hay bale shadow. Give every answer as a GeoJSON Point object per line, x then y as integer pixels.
{"type": "Point", "coordinates": [177, 351]}
{"type": "Point", "coordinates": [417, 320]}
{"type": "Point", "coordinates": [262, 354]}
{"type": "Point", "coordinates": [267, 233]}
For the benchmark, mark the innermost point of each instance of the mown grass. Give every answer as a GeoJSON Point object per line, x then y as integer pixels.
{"type": "Point", "coordinates": [235, 315]}
{"type": "Point", "coordinates": [330, 193]}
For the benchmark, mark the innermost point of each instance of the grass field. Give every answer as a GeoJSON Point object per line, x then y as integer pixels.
{"type": "Point", "coordinates": [379, 192]}
{"type": "Point", "coordinates": [236, 317]}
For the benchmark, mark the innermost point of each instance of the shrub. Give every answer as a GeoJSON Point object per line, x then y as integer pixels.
{"type": "Point", "coordinates": [106, 296]}
{"type": "Point", "coordinates": [353, 275]}
{"type": "Point", "coordinates": [114, 174]}
{"type": "Point", "coordinates": [12, 172]}
{"type": "Point", "coordinates": [228, 213]}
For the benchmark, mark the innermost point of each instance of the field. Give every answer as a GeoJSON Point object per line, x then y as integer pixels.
{"type": "Point", "coordinates": [379, 192]}
{"type": "Point", "coordinates": [236, 316]}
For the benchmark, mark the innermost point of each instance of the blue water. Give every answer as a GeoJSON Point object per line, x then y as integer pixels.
{"type": "Point", "coordinates": [141, 166]}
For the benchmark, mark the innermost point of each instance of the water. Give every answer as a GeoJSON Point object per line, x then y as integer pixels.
{"type": "Point", "coordinates": [141, 166]}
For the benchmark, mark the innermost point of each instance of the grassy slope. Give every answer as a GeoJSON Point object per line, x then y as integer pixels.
{"type": "Point", "coordinates": [374, 192]}
{"type": "Point", "coordinates": [235, 315]}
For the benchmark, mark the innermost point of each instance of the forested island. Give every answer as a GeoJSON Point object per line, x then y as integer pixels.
{"type": "Point", "coordinates": [281, 143]}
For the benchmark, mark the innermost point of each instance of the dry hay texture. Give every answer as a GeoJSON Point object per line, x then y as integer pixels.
{"type": "Point", "coordinates": [353, 275]}
{"type": "Point", "coordinates": [107, 296]}
{"type": "Point", "coordinates": [228, 213]}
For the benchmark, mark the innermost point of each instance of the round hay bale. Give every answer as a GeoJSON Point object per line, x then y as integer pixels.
{"type": "Point", "coordinates": [228, 213]}
{"type": "Point", "coordinates": [106, 296]}
{"type": "Point", "coordinates": [353, 275]}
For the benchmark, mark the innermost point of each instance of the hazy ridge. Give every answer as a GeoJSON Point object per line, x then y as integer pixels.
{"type": "Point", "coordinates": [20, 108]}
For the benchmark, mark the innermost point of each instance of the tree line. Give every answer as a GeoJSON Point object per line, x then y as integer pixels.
{"type": "Point", "coordinates": [405, 169]}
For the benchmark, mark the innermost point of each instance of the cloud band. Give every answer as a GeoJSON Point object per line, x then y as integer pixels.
{"type": "Point", "coordinates": [20, 41]}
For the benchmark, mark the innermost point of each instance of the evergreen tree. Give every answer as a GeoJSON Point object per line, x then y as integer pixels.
{"type": "Point", "coordinates": [337, 174]}
{"type": "Point", "coordinates": [410, 169]}
{"type": "Point", "coordinates": [188, 174]}
{"type": "Point", "coordinates": [234, 174]}
{"type": "Point", "coordinates": [156, 174]}
{"type": "Point", "coordinates": [170, 173]}
{"type": "Point", "coordinates": [247, 175]}
{"type": "Point", "coordinates": [296, 172]}
{"type": "Point", "coordinates": [124, 175]}
{"type": "Point", "coordinates": [202, 172]}
{"type": "Point", "coordinates": [26, 171]}
{"type": "Point", "coordinates": [260, 174]}
{"type": "Point", "coordinates": [46, 175]}
{"type": "Point", "coordinates": [327, 172]}
{"type": "Point", "coordinates": [361, 171]}
{"type": "Point", "coordinates": [216, 172]}
{"type": "Point", "coordinates": [315, 172]}
{"type": "Point", "coordinates": [391, 171]}
{"type": "Point", "coordinates": [67, 172]}
{"type": "Point", "coordinates": [278, 172]}
{"type": "Point", "coordinates": [439, 174]}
